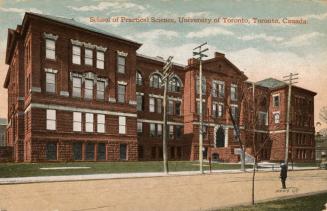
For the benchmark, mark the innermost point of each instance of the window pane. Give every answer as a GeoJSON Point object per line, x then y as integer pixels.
{"type": "Point", "coordinates": [101, 123]}
{"type": "Point", "coordinates": [77, 151]}
{"type": "Point", "coordinates": [100, 60]}
{"type": "Point", "coordinates": [51, 151]}
{"type": "Point", "coordinates": [89, 151]}
{"type": "Point", "coordinates": [151, 104]}
{"type": "Point", "coordinates": [159, 129]}
{"type": "Point", "coordinates": [121, 64]}
{"type": "Point", "coordinates": [100, 90]}
{"type": "Point", "coordinates": [50, 82]}
{"type": "Point", "coordinates": [89, 122]}
{"type": "Point", "coordinates": [101, 154]}
{"type": "Point", "coordinates": [121, 93]}
{"type": "Point", "coordinates": [51, 119]}
{"type": "Point", "coordinates": [122, 125]}
{"type": "Point", "coordinates": [170, 107]}
{"type": "Point", "coordinates": [76, 55]}
{"type": "Point", "coordinates": [159, 105]}
{"type": "Point", "coordinates": [88, 89]}
{"type": "Point", "coordinates": [139, 127]}
{"type": "Point", "coordinates": [152, 129]}
{"type": "Point", "coordinates": [123, 152]}
{"type": "Point", "coordinates": [77, 121]}
{"type": "Point", "coordinates": [77, 84]}
{"type": "Point", "coordinates": [139, 104]}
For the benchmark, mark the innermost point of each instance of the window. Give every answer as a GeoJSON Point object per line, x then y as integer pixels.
{"type": "Point", "coordinates": [121, 60]}
{"type": "Point", "coordinates": [122, 125]}
{"type": "Point", "coordinates": [77, 121]}
{"type": "Point", "coordinates": [77, 86]}
{"type": "Point", "coordinates": [123, 151]}
{"type": "Point", "coordinates": [51, 119]}
{"type": "Point", "coordinates": [152, 129]}
{"type": "Point", "coordinates": [139, 100]}
{"type": "Point", "coordinates": [101, 122]}
{"type": "Point", "coordinates": [100, 59]}
{"type": "Point", "coordinates": [101, 154]}
{"type": "Point", "coordinates": [50, 49]}
{"type": "Point", "coordinates": [197, 86]}
{"type": "Point", "coordinates": [77, 151]}
{"type": "Point", "coordinates": [233, 92]}
{"type": "Point", "coordinates": [171, 131]}
{"type": "Point", "coordinates": [50, 82]}
{"type": "Point", "coordinates": [218, 88]}
{"type": "Point", "coordinates": [140, 152]}
{"type": "Point", "coordinates": [155, 81]}
{"type": "Point", "coordinates": [76, 54]}
{"type": "Point", "coordinates": [276, 116]}
{"type": "Point", "coordinates": [151, 104]}
{"type": "Point", "coordinates": [88, 94]}
{"type": "Point", "coordinates": [170, 107]}
{"type": "Point", "coordinates": [88, 60]}
{"type": "Point", "coordinates": [177, 108]}
{"type": "Point", "coordinates": [139, 79]}
{"type": "Point", "coordinates": [198, 107]}
{"type": "Point", "coordinates": [263, 118]}
{"type": "Point", "coordinates": [159, 105]}
{"type": "Point", "coordinates": [235, 112]}
{"type": "Point", "coordinates": [174, 85]}
{"type": "Point", "coordinates": [89, 151]}
{"type": "Point", "coordinates": [139, 127]}
{"type": "Point", "coordinates": [276, 100]}
{"type": "Point", "coordinates": [51, 151]}
{"type": "Point", "coordinates": [217, 110]}
{"type": "Point", "coordinates": [88, 122]}
{"type": "Point", "coordinates": [178, 131]}
{"type": "Point", "coordinates": [159, 129]}
{"type": "Point", "coordinates": [100, 90]}
{"type": "Point", "coordinates": [121, 93]}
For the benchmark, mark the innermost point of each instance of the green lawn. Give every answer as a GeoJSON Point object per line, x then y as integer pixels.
{"type": "Point", "coordinates": [33, 169]}
{"type": "Point", "coordinates": [312, 203]}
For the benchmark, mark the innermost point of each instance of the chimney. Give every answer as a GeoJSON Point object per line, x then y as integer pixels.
{"type": "Point", "coordinates": [219, 55]}
{"type": "Point", "coordinates": [191, 61]}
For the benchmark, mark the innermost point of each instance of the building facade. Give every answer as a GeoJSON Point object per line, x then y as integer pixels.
{"type": "Point", "coordinates": [77, 93]}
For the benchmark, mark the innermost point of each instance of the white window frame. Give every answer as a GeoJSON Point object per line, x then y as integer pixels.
{"type": "Point", "coordinates": [89, 122]}
{"type": "Point", "coordinates": [77, 121]}
{"type": "Point", "coordinates": [50, 49]}
{"type": "Point", "coordinates": [51, 116]}
{"type": "Point", "coordinates": [88, 91]}
{"type": "Point", "coordinates": [100, 59]}
{"type": "Point", "coordinates": [76, 54]}
{"type": "Point", "coordinates": [101, 123]}
{"type": "Point", "coordinates": [88, 56]}
{"type": "Point", "coordinates": [47, 79]}
{"type": "Point", "coordinates": [122, 124]}
{"type": "Point", "coordinates": [151, 104]}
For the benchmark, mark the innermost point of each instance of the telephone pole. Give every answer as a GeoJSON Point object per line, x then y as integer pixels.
{"type": "Point", "coordinates": [167, 73]}
{"type": "Point", "coordinates": [199, 53]}
{"type": "Point", "coordinates": [291, 80]}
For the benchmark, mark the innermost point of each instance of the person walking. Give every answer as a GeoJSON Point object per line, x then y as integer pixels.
{"type": "Point", "coordinates": [283, 174]}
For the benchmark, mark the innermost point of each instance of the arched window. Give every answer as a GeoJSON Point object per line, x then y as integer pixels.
{"type": "Point", "coordinates": [174, 85]}
{"type": "Point", "coordinates": [139, 79]}
{"type": "Point", "coordinates": [155, 81]}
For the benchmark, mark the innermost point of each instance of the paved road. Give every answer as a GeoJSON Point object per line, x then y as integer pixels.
{"type": "Point", "coordinates": [194, 192]}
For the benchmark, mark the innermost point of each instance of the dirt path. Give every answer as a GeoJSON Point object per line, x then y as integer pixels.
{"type": "Point", "coordinates": [161, 193]}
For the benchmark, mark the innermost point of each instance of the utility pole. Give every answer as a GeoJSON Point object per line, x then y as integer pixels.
{"type": "Point", "coordinates": [290, 79]}
{"type": "Point", "coordinates": [167, 73]}
{"type": "Point", "coordinates": [200, 54]}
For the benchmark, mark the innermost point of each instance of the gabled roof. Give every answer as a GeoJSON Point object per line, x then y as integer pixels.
{"type": "Point", "coordinates": [73, 22]}
{"type": "Point", "coordinates": [271, 83]}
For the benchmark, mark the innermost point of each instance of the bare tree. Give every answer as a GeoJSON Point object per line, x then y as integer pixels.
{"type": "Point", "coordinates": [251, 108]}
{"type": "Point", "coordinates": [323, 114]}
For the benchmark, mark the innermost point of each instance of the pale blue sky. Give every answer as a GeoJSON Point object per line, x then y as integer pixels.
{"type": "Point", "coordinates": [259, 50]}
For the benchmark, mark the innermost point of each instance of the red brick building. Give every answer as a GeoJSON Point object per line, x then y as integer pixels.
{"type": "Point", "coordinates": [77, 93]}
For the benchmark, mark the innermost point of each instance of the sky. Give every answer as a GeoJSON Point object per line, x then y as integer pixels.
{"type": "Point", "coordinates": [260, 50]}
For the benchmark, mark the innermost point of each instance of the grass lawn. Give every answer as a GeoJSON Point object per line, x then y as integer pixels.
{"type": "Point", "coordinates": [33, 169]}
{"type": "Point", "coordinates": [312, 203]}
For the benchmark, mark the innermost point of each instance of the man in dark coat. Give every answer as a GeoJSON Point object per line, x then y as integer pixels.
{"type": "Point", "coordinates": [283, 174]}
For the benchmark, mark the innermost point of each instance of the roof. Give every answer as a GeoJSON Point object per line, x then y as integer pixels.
{"type": "Point", "coordinates": [73, 22]}
{"type": "Point", "coordinates": [158, 59]}
{"type": "Point", "coordinates": [271, 83]}
{"type": "Point", "coordinates": [3, 121]}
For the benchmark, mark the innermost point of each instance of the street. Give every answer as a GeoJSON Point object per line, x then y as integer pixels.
{"type": "Point", "coordinates": [196, 192]}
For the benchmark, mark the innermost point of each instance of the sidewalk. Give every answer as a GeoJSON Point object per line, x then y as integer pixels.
{"type": "Point", "coordinates": [65, 178]}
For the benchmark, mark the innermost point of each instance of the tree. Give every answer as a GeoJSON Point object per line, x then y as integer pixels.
{"type": "Point", "coordinates": [323, 114]}
{"type": "Point", "coordinates": [252, 120]}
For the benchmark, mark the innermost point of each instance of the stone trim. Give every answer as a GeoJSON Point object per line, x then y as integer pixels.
{"type": "Point", "coordinates": [64, 93]}
{"type": "Point", "coordinates": [159, 122]}
{"type": "Point", "coordinates": [76, 42]}
{"type": "Point", "coordinates": [140, 93]}
{"type": "Point", "coordinates": [20, 98]}
{"type": "Point", "coordinates": [122, 83]}
{"type": "Point", "coordinates": [122, 53]}
{"type": "Point", "coordinates": [35, 89]}
{"type": "Point", "coordinates": [198, 99]}
{"type": "Point", "coordinates": [75, 109]}
{"type": "Point", "coordinates": [112, 99]}
{"type": "Point", "coordinates": [50, 70]}
{"type": "Point", "coordinates": [50, 36]}
{"type": "Point", "coordinates": [132, 102]}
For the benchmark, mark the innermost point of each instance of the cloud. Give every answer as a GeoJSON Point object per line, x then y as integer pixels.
{"type": "Point", "coordinates": [262, 37]}
{"type": "Point", "coordinates": [109, 5]}
{"type": "Point", "coordinates": [208, 32]}
{"type": "Point", "coordinates": [197, 14]}
{"type": "Point", "coordinates": [155, 34]}
{"type": "Point", "coordinates": [321, 16]}
{"type": "Point", "coordinates": [302, 40]}
{"type": "Point", "coordinates": [19, 10]}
